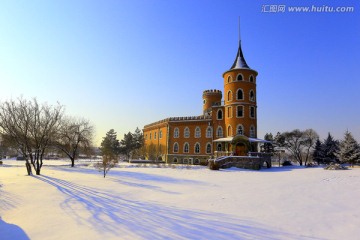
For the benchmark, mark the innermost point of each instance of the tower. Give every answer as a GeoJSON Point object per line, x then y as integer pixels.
{"type": "Point", "coordinates": [211, 98]}
{"type": "Point", "coordinates": [240, 98]}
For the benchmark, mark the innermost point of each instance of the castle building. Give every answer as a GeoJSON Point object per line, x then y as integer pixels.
{"type": "Point", "coordinates": [194, 139]}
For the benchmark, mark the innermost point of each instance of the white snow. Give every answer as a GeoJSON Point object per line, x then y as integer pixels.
{"type": "Point", "coordinates": [167, 203]}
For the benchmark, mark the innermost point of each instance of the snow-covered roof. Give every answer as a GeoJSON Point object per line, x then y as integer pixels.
{"type": "Point", "coordinates": [240, 61]}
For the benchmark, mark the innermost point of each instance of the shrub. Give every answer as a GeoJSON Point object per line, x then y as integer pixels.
{"type": "Point", "coordinates": [286, 163]}
{"type": "Point", "coordinates": [1, 162]}
{"type": "Point", "coordinates": [213, 165]}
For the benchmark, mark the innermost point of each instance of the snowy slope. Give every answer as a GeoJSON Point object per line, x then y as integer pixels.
{"type": "Point", "coordinates": [166, 203]}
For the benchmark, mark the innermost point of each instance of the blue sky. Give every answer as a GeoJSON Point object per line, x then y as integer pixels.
{"type": "Point", "coordinates": [123, 64]}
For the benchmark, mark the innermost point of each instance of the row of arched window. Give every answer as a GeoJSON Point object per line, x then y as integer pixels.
{"type": "Point", "coordinates": [239, 112]}
{"type": "Point", "coordinates": [186, 148]}
{"type": "Point", "coordinates": [240, 77]}
{"type": "Point", "coordinates": [240, 95]}
{"type": "Point", "coordinates": [197, 133]}
{"type": "Point", "coordinates": [239, 130]}
{"type": "Point", "coordinates": [155, 135]}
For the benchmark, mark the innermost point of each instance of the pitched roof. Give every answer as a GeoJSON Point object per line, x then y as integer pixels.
{"type": "Point", "coordinates": [239, 60]}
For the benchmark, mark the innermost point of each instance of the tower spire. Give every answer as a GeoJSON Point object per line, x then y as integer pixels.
{"type": "Point", "coordinates": [240, 61]}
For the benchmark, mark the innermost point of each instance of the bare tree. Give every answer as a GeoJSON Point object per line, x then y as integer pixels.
{"type": "Point", "coordinates": [30, 128]}
{"type": "Point", "coordinates": [74, 135]}
{"type": "Point", "coordinates": [299, 144]}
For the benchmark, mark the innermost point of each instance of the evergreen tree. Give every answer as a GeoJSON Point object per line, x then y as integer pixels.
{"type": "Point", "coordinates": [349, 150]}
{"type": "Point", "coordinates": [318, 155]}
{"type": "Point", "coordinates": [127, 144]}
{"type": "Point", "coordinates": [110, 149]}
{"type": "Point", "coordinates": [268, 147]}
{"type": "Point", "coordinates": [329, 148]}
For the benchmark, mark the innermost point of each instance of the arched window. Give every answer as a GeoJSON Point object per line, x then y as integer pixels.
{"type": "Point", "coordinates": [175, 160]}
{"type": "Point", "coordinates": [252, 131]}
{"type": "Point", "coordinates": [197, 161]}
{"type": "Point", "coordinates": [239, 111]}
{"type": "Point", "coordinates": [252, 96]}
{"type": "Point", "coordinates": [176, 132]}
{"type": "Point", "coordinates": [154, 135]}
{"type": "Point", "coordinates": [252, 112]}
{"type": "Point", "coordinates": [208, 148]}
{"type": "Point", "coordinates": [209, 132]}
{"type": "Point", "coordinates": [176, 147]}
{"type": "Point", "coordinates": [229, 79]}
{"type": "Point", "coordinates": [239, 94]}
{"type": "Point", "coordinates": [219, 114]}
{"type": "Point", "coordinates": [186, 148]}
{"type": "Point", "coordinates": [160, 134]}
{"type": "Point", "coordinates": [219, 132]}
{"type": "Point", "coordinates": [150, 136]}
{"type": "Point", "coordinates": [229, 133]}
{"type": "Point", "coordinates": [197, 132]}
{"type": "Point", "coordinates": [239, 77]}
{"type": "Point", "coordinates": [219, 147]}
{"type": "Point", "coordinates": [229, 96]}
{"type": "Point", "coordinates": [240, 130]}
{"type": "Point", "coordinates": [197, 148]}
{"type": "Point", "coordinates": [251, 78]}
{"type": "Point", "coordinates": [186, 132]}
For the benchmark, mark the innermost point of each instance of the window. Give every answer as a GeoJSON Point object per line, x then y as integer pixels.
{"type": "Point", "coordinates": [252, 131]}
{"type": "Point", "coordinates": [160, 134]}
{"type": "Point", "coordinates": [208, 148]}
{"type": "Point", "coordinates": [229, 96]}
{"type": "Point", "coordinates": [154, 135]}
{"type": "Point", "coordinates": [229, 79]}
{"type": "Point", "coordinates": [239, 77]}
{"type": "Point", "coordinates": [219, 148]}
{"type": "Point", "coordinates": [229, 112]}
{"type": "Point", "coordinates": [229, 131]}
{"type": "Point", "coordinates": [239, 94]}
{"type": "Point", "coordinates": [186, 132]}
{"type": "Point", "coordinates": [197, 161]}
{"type": "Point", "coordinates": [209, 132]}
{"type": "Point", "coordinates": [150, 136]}
{"type": "Point", "coordinates": [252, 96]}
{"type": "Point", "coordinates": [145, 136]}
{"type": "Point", "coordinates": [219, 132]}
{"type": "Point", "coordinates": [197, 148]}
{"type": "Point", "coordinates": [252, 112]}
{"type": "Point", "coordinates": [239, 111]}
{"type": "Point", "coordinates": [185, 161]}
{"type": "Point", "coordinates": [204, 101]}
{"type": "Point", "coordinates": [197, 132]}
{"type": "Point", "coordinates": [240, 130]}
{"type": "Point", "coordinates": [176, 132]}
{"type": "Point", "coordinates": [176, 147]}
{"type": "Point", "coordinates": [175, 160]}
{"type": "Point", "coordinates": [219, 114]}
{"type": "Point", "coordinates": [186, 148]}
{"type": "Point", "coordinates": [251, 78]}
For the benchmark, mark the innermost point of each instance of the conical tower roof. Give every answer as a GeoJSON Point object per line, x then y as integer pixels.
{"type": "Point", "coordinates": [240, 61]}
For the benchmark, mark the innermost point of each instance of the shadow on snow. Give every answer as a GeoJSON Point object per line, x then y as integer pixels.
{"type": "Point", "coordinates": [121, 217]}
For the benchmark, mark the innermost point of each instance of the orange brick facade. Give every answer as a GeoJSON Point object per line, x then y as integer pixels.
{"type": "Point", "coordinates": [225, 114]}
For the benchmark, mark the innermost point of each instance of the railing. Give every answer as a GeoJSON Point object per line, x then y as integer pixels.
{"type": "Point", "coordinates": [255, 161]}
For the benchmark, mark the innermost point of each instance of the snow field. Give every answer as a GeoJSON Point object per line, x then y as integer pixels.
{"type": "Point", "coordinates": [166, 203]}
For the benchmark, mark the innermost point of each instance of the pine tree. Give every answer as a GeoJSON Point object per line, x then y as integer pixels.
{"type": "Point", "coordinates": [329, 147]}
{"type": "Point", "coordinates": [110, 149]}
{"type": "Point", "coordinates": [318, 155]}
{"type": "Point", "coordinates": [349, 150]}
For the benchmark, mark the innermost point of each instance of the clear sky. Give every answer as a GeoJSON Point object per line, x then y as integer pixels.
{"type": "Point", "coordinates": [126, 63]}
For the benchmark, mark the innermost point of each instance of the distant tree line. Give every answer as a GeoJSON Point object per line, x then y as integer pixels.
{"type": "Point", "coordinates": [34, 130]}
{"type": "Point", "coordinates": [305, 146]}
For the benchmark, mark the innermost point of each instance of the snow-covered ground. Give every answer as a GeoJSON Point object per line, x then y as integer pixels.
{"type": "Point", "coordinates": [178, 203]}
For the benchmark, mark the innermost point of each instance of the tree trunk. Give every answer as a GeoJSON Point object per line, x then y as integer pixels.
{"type": "Point", "coordinates": [28, 168]}
{"type": "Point", "coordinates": [72, 162]}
